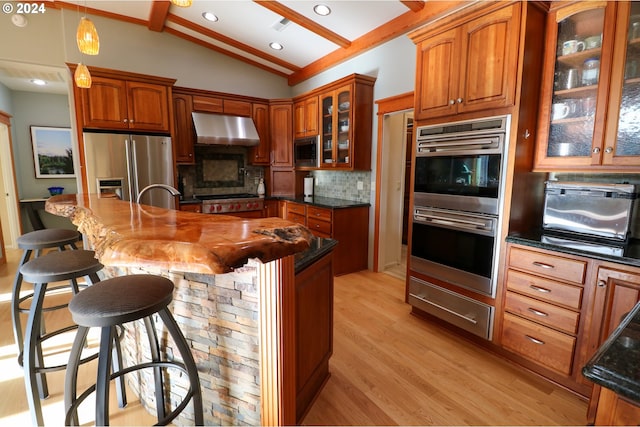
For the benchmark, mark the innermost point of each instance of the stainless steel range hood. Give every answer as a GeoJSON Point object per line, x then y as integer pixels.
{"type": "Point", "coordinates": [219, 129]}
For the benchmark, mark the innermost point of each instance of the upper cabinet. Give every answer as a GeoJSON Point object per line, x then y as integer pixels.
{"type": "Point", "coordinates": [305, 117]}
{"type": "Point", "coordinates": [121, 104]}
{"type": "Point", "coordinates": [590, 88]}
{"type": "Point", "coordinates": [280, 122]}
{"type": "Point", "coordinates": [261, 154]}
{"type": "Point", "coordinates": [183, 131]}
{"type": "Point", "coordinates": [471, 65]}
{"type": "Point", "coordinates": [346, 111]}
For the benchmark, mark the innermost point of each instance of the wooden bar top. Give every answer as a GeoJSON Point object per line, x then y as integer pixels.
{"type": "Point", "coordinates": [127, 234]}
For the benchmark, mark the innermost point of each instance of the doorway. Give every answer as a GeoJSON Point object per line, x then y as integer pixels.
{"type": "Point", "coordinates": [9, 217]}
{"type": "Point", "coordinates": [395, 121]}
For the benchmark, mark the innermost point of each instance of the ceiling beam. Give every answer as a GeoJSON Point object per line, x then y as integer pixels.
{"type": "Point", "coordinates": [400, 25]}
{"type": "Point", "coordinates": [414, 5]}
{"type": "Point", "coordinates": [158, 14]}
{"type": "Point", "coordinates": [229, 41]}
{"type": "Point", "coordinates": [304, 22]}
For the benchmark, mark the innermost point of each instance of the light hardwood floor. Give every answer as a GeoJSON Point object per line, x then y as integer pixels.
{"type": "Point", "coordinates": [388, 368]}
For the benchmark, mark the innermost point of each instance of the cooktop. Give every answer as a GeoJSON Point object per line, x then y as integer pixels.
{"type": "Point", "coordinates": [225, 196]}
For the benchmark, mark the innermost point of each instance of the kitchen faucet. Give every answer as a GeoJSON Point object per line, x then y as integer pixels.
{"type": "Point", "coordinates": [169, 188]}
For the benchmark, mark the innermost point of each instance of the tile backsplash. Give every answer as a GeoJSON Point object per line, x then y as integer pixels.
{"type": "Point", "coordinates": [343, 185]}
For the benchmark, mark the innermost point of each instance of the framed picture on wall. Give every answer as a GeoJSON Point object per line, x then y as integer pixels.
{"type": "Point", "coordinates": [52, 152]}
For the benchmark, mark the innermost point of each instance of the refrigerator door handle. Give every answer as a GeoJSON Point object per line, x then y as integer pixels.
{"type": "Point", "coordinates": [132, 176]}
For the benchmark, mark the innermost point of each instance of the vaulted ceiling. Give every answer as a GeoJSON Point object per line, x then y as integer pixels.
{"type": "Point", "coordinates": [244, 29]}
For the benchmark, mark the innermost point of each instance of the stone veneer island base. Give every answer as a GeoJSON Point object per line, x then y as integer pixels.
{"type": "Point", "coordinates": [234, 298]}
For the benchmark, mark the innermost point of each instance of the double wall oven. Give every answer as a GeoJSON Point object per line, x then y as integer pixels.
{"type": "Point", "coordinates": [458, 188]}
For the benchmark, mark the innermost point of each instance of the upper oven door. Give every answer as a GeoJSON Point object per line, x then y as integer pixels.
{"type": "Point", "coordinates": [469, 182]}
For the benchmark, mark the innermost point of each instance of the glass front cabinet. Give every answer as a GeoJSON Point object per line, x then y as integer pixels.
{"type": "Point", "coordinates": [336, 133]}
{"type": "Point", "coordinates": [590, 105]}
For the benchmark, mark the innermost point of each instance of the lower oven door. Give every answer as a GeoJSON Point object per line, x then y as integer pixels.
{"type": "Point", "coordinates": [455, 247]}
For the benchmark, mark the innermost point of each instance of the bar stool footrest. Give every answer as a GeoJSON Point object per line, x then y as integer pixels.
{"type": "Point", "coordinates": [162, 364]}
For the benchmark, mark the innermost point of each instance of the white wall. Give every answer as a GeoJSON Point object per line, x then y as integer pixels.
{"type": "Point", "coordinates": [49, 39]}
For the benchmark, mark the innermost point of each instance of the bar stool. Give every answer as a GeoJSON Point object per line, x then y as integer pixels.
{"type": "Point", "coordinates": [35, 241]}
{"type": "Point", "coordinates": [53, 267]}
{"type": "Point", "coordinates": [117, 301]}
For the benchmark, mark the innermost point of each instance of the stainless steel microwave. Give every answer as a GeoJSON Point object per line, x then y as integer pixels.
{"type": "Point", "coordinates": [306, 152]}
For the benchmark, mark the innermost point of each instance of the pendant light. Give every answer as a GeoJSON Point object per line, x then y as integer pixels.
{"type": "Point", "coordinates": [82, 76]}
{"type": "Point", "coordinates": [87, 37]}
{"type": "Point", "coordinates": [182, 3]}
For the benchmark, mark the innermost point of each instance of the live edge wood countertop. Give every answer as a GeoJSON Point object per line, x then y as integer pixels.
{"type": "Point", "coordinates": [129, 234]}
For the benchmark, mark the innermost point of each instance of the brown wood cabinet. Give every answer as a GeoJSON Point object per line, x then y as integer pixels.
{"type": "Point", "coordinates": [314, 331]}
{"type": "Point", "coordinates": [469, 65]}
{"type": "Point", "coordinates": [305, 117]}
{"type": "Point", "coordinates": [616, 291]}
{"type": "Point", "coordinates": [281, 120]}
{"type": "Point", "coordinates": [349, 226]}
{"type": "Point", "coordinates": [543, 302]}
{"type": "Point", "coordinates": [615, 410]}
{"type": "Point", "coordinates": [558, 310]}
{"type": "Point", "coordinates": [261, 154]}
{"type": "Point", "coordinates": [346, 114]}
{"type": "Point", "coordinates": [213, 104]}
{"type": "Point", "coordinates": [183, 130]}
{"type": "Point", "coordinates": [120, 104]}
{"type": "Point", "coordinates": [586, 121]}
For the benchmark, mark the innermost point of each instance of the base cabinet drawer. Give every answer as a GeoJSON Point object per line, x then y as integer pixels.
{"type": "Point", "coordinates": [541, 312]}
{"type": "Point", "coordinates": [463, 312]}
{"type": "Point", "coordinates": [538, 343]}
{"type": "Point", "coordinates": [319, 227]}
{"type": "Point", "coordinates": [296, 217]}
{"type": "Point", "coordinates": [544, 289]}
{"type": "Point", "coordinates": [556, 267]}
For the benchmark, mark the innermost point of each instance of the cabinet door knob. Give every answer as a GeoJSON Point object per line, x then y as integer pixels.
{"type": "Point", "coordinates": [526, 134]}
{"type": "Point", "coordinates": [125, 121]}
{"type": "Point", "coordinates": [451, 102]}
{"type": "Point", "coordinates": [608, 150]}
{"type": "Point", "coordinates": [602, 284]}
{"type": "Point", "coordinates": [596, 150]}
{"type": "Point", "coordinates": [459, 100]}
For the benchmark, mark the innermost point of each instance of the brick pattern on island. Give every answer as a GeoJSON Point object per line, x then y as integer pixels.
{"type": "Point", "coordinates": [218, 315]}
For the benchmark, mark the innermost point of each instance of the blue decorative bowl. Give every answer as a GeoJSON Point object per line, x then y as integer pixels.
{"type": "Point", "coordinates": [55, 190]}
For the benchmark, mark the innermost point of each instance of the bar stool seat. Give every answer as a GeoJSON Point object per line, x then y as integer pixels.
{"type": "Point", "coordinates": [53, 267]}
{"type": "Point", "coordinates": [121, 300]}
{"type": "Point", "coordinates": [36, 241]}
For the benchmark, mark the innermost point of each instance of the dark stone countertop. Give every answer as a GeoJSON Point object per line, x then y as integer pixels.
{"type": "Point", "coordinates": [616, 364]}
{"type": "Point", "coordinates": [630, 252]}
{"type": "Point", "coordinates": [317, 249]}
{"type": "Point", "coordinates": [324, 202]}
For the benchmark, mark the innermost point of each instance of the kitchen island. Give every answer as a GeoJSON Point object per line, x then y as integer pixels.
{"type": "Point", "coordinates": [615, 367]}
{"type": "Point", "coordinates": [234, 298]}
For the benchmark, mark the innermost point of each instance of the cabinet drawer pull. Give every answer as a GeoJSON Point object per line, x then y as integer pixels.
{"type": "Point", "coordinates": [539, 289]}
{"type": "Point", "coordinates": [542, 264]}
{"type": "Point", "coordinates": [538, 312]}
{"type": "Point", "coordinates": [534, 340]}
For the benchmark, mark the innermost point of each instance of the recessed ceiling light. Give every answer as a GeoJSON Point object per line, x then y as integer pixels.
{"type": "Point", "coordinates": [322, 9]}
{"type": "Point", "coordinates": [210, 16]}
{"type": "Point", "coordinates": [19, 20]}
{"type": "Point", "coordinates": [276, 46]}
{"type": "Point", "coordinates": [38, 82]}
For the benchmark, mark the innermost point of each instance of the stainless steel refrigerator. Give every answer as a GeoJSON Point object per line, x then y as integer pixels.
{"type": "Point", "coordinates": [134, 160]}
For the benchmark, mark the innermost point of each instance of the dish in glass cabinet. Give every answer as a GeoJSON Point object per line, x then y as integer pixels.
{"type": "Point", "coordinates": [328, 160]}
{"type": "Point", "coordinates": [344, 106]}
